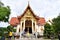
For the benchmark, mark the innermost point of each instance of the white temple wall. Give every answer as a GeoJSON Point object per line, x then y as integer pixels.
{"type": "Point", "coordinates": [40, 29]}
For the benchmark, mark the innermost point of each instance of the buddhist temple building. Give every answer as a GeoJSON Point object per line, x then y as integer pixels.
{"type": "Point", "coordinates": [28, 21]}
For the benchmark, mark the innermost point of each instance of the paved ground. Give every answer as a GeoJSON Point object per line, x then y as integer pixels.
{"type": "Point", "coordinates": [33, 39]}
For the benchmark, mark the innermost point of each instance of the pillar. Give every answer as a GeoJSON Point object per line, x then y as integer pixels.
{"type": "Point", "coordinates": [24, 25]}
{"type": "Point", "coordinates": [17, 30]}
{"type": "Point", "coordinates": [20, 29]}
{"type": "Point", "coordinates": [21, 26]}
{"type": "Point", "coordinates": [35, 26]}
{"type": "Point", "coordinates": [32, 27]}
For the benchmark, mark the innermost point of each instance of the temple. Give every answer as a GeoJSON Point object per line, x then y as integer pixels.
{"type": "Point", "coordinates": [28, 22]}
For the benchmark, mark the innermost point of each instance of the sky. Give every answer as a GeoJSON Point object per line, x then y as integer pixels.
{"type": "Point", "coordinates": [48, 9]}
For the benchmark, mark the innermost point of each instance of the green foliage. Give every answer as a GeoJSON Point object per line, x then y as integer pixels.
{"type": "Point", "coordinates": [49, 30]}
{"type": "Point", "coordinates": [10, 28]}
{"type": "Point", "coordinates": [54, 28]}
{"type": "Point", "coordinates": [4, 12]}
{"type": "Point", "coordinates": [2, 30]}
{"type": "Point", "coordinates": [5, 31]}
{"type": "Point", "coordinates": [14, 30]}
{"type": "Point", "coordinates": [56, 23]}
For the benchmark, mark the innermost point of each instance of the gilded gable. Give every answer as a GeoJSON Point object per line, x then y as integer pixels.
{"type": "Point", "coordinates": [28, 14]}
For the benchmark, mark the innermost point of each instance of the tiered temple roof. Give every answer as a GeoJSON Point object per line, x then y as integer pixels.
{"type": "Point", "coordinates": [16, 20]}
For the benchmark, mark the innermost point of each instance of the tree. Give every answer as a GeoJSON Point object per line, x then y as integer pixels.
{"type": "Point", "coordinates": [56, 23]}
{"type": "Point", "coordinates": [4, 16]}
{"type": "Point", "coordinates": [5, 31]}
{"type": "Point", "coordinates": [4, 12]}
{"type": "Point", "coordinates": [48, 30]}
{"type": "Point", "coordinates": [10, 28]}
{"type": "Point", "coordinates": [2, 31]}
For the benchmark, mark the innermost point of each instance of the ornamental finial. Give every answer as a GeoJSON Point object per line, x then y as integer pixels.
{"type": "Point", "coordinates": [28, 2]}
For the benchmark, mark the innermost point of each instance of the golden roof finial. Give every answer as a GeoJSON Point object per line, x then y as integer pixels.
{"type": "Point", "coordinates": [28, 2]}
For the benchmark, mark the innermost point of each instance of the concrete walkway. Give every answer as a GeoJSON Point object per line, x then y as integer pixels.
{"type": "Point", "coordinates": [33, 39]}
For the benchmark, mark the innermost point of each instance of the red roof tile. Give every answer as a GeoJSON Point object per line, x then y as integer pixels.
{"type": "Point", "coordinates": [41, 21]}
{"type": "Point", "coordinates": [14, 21]}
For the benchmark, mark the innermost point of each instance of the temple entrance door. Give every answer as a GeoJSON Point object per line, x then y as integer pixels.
{"type": "Point", "coordinates": [28, 26]}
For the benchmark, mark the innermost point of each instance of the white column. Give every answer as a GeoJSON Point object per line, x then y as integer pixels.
{"type": "Point", "coordinates": [21, 26]}
{"type": "Point", "coordinates": [24, 25]}
{"type": "Point", "coordinates": [20, 29]}
{"type": "Point", "coordinates": [35, 26]}
{"type": "Point", "coordinates": [17, 30]}
{"type": "Point", "coordinates": [32, 27]}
